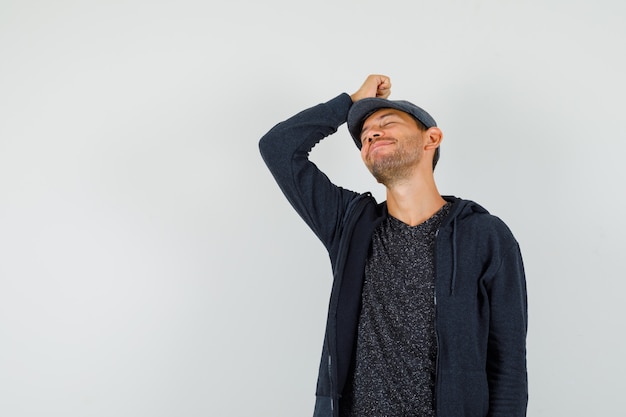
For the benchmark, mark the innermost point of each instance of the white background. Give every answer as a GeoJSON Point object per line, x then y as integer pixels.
{"type": "Point", "coordinates": [149, 265]}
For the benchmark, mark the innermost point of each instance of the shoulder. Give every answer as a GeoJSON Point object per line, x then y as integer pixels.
{"type": "Point", "coordinates": [479, 226]}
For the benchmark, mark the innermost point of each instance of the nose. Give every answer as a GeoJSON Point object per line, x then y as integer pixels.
{"type": "Point", "coordinates": [372, 136]}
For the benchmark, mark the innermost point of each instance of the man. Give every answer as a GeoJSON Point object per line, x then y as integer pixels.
{"type": "Point", "coordinates": [427, 314]}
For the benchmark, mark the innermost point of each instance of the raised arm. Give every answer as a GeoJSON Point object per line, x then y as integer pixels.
{"type": "Point", "coordinates": [285, 150]}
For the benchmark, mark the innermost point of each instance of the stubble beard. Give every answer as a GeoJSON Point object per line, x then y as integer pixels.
{"type": "Point", "coordinates": [395, 167]}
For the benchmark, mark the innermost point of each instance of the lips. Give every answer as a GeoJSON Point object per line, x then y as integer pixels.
{"type": "Point", "coordinates": [379, 143]}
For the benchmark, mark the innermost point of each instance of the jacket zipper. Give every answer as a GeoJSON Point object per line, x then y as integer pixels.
{"type": "Point", "coordinates": [330, 370]}
{"type": "Point", "coordinates": [435, 393]}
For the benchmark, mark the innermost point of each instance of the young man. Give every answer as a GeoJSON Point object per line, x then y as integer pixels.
{"type": "Point", "coordinates": [428, 308]}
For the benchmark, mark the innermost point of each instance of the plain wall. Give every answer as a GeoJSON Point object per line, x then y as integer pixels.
{"type": "Point", "coordinates": [149, 265]}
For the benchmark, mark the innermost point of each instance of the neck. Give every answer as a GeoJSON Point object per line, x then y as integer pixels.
{"type": "Point", "coordinates": [414, 201]}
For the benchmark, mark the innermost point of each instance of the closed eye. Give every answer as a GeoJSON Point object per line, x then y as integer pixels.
{"type": "Point", "coordinates": [383, 120]}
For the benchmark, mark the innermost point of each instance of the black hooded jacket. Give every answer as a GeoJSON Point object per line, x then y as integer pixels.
{"type": "Point", "coordinates": [481, 307]}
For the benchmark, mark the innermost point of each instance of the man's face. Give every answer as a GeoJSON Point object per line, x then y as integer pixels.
{"type": "Point", "coordinates": [391, 145]}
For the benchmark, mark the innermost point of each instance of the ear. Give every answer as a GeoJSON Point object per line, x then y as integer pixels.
{"type": "Point", "coordinates": [433, 137]}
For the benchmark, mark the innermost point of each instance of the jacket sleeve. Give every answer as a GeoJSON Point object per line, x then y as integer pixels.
{"type": "Point", "coordinates": [506, 355]}
{"type": "Point", "coordinates": [285, 150]}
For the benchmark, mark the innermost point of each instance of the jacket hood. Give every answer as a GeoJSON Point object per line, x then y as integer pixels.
{"type": "Point", "coordinates": [460, 210]}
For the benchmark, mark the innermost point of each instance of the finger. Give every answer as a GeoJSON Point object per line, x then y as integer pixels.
{"type": "Point", "coordinates": [383, 92]}
{"type": "Point", "coordinates": [384, 82]}
{"type": "Point", "coordinates": [383, 88]}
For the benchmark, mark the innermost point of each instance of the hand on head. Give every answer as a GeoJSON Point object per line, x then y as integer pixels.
{"type": "Point", "coordinates": [375, 85]}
